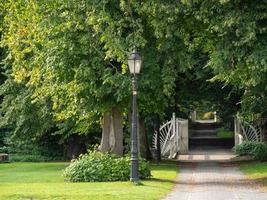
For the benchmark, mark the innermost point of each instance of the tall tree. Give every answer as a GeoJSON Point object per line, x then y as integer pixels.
{"type": "Point", "coordinates": [57, 66]}
{"type": "Point", "coordinates": [234, 36]}
{"type": "Point", "coordinates": [73, 64]}
{"type": "Point", "coordinates": [67, 70]}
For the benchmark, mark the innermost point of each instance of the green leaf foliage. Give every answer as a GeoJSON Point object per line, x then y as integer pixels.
{"type": "Point", "coordinates": [96, 166]}
{"type": "Point", "coordinates": [234, 36]}
{"type": "Point", "coordinates": [245, 148]}
{"type": "Point", "coordinates": [223, 133]}
{"type": "Point", "coordinates": [258, 150]}
{"type": "Point", "coordinates": [66, 61]}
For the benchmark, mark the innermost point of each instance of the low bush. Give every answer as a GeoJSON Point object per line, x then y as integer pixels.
{"type": "Point", "coordinates": [258, 150]}
{"type": "Point", "coordinates": [96, 166]}
{"type": "Point", "coordinates": [45, 146]}
{"type": "Point", "coordinates": [27, 158]}
{"type": "Point", "coordinates": [4, 149]}
{"type": "Point", "coordinates": [223, 133]}
{"type": "Point", "coordinates": [245, 148]}
{"type": "Point", "coordinates": [32, 158]}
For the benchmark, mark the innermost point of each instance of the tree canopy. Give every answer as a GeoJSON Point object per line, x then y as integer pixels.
{"type": "Point", "coordinates": [66, 61]}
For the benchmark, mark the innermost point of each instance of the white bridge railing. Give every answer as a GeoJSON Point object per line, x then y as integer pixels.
{"type": "Point", "coordinates": [245, 131]}
{"type": "Point", "coordinates": [173, 137]}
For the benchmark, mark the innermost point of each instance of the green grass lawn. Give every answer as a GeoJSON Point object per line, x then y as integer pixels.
{"type": "Point", "coordinates": [256, 171]}
{"type": "Point", "coordinates": [45, 181]}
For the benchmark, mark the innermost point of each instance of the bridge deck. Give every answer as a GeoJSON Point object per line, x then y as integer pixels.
{"type": "Point", "coordinates": [207, 153]}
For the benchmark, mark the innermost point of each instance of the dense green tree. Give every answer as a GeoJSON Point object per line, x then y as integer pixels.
{"type": "Point", "coordinates": [2, 79]}
{"type": "Point", "coordinates": [72, 66]}
{"type": "Point", "coordinates": [231, 33]}
{"type": "Point", "coordinates": [67, 69]}
{"type": "Point", "coordinates": [50, 55]}
{"type": "Point", "coordinates": [234, 36]}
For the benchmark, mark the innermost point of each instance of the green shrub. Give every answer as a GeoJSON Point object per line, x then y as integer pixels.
{"type": "Point", "coordinates": [26, 158]}
{"type": "Point", "coordinates": [222, 133]}
{"type": "Point", "coordinates": [4, 149]}
{"type": "Point", "coordinates": [258, 150]}
{"type": "Point", "coordinates": [32, 158]}
{"type": "Point", "coordinates": [96, 166]}
{"type": "Point", "coordinates": [245, 148]}
{"type": "Point", "coordinates": [45, 146]}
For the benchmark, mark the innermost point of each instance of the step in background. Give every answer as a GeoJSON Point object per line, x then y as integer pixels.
{"type": "Point", "coordinates": [203, 125]}
{"type": "Point", "coordinates": [205, 134]}
{"type": "Point", "coordinates": [220, 142]}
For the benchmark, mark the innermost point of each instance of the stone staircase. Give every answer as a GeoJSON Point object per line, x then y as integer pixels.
{"type": "Point", "coordinates": [204, 133]}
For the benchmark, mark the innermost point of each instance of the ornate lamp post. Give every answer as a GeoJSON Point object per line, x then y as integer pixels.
{"type": "Point", "coordinates": [134, 62]}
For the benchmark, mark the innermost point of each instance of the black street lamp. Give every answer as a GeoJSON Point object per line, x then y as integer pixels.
{"type": "Point", "coordinates": [134, 62]}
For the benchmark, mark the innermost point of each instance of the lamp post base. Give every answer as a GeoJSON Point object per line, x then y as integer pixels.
{"type": "Point", "coordinates": [134, 166]}
{"type": "Point", "coordinates": [134, 180]}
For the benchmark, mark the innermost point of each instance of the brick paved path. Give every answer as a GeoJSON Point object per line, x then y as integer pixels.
{"type": "Point", "coordinates": [214, 181]}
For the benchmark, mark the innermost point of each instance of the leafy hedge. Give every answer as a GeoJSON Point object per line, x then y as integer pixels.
{"type": "Point", "coordinates": [33, 158]}
{"type": "Point", "coordinates": [96, 166]}
{"type": "Point", "coordinates": [258, 150]}
{"type": "Point", "coordinates": [225, 134]}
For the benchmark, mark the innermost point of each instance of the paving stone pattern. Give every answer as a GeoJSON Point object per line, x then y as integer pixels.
{"type": "Point", "coordinates": [214, 181]}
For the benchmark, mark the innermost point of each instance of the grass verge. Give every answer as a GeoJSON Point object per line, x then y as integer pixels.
{"type": "Point", "coordinates": [19, 181]}
{"type": "Point", "coordinates": [256, 171]}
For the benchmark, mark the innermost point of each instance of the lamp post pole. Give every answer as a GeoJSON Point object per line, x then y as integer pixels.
{"type": "Point", "coordinates": [134, 149]}
{"type": "Point", "coordinates": [134, 62]}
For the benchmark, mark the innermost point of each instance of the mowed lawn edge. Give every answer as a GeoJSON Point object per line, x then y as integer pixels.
{"type": "Point", "coordinates": [256, 171]}
{"type": "Point", "coordinates": [45, 181]}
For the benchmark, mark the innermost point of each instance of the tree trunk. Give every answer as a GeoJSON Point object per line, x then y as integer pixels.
{"type": "Point", "coordinates": [75, 146]}
{"type": "Point", "coordinates": [117, 132]}
{"type": "Point", "coordinates": [112, 132]}
{"type": "Point", "coordinates": [142, 139]}
{"type": "Point", "coordinates": [143, 143]}
{"type": "Point", "coordinates": [106, 129]}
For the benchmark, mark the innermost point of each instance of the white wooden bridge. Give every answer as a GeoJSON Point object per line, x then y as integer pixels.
{"type": "Point", "coordinates": [174, 139]}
